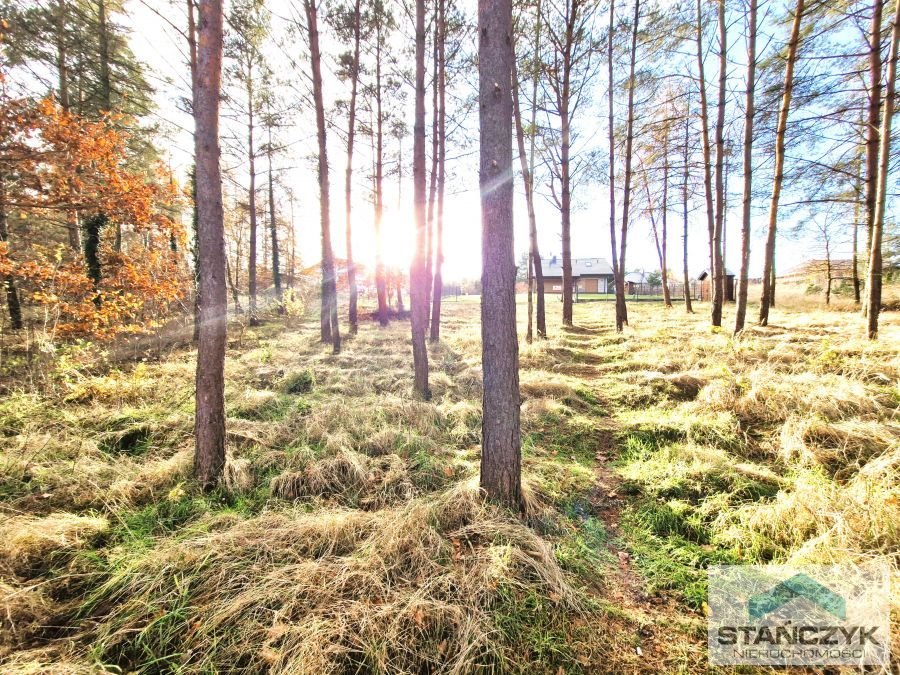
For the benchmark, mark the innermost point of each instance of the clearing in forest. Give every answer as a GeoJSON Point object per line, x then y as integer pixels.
{"type": "Point", "coordinates": [349, 535]}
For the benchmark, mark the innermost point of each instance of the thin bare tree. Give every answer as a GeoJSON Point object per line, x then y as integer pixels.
{"type": "Point", "coordinates": [330, 328]}
{"type": "Point", "coordinates": [418, 293]}
{"type": "Point", "coordinates": [875, 255]}
{"type": "Point", "coordinates": [749, 114]}
{"type": "Point", "coordinates": [780, 133]}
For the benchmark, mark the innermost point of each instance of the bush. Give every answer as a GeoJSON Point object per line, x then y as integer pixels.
{"type": "Point", "coordinates": [298, 383]}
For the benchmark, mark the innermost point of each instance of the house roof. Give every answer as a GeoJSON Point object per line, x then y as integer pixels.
{"type": "Point", "coordinates": [581, 267]}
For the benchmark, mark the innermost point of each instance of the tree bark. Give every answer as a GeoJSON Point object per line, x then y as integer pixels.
{"type": "Point", "coordinates": [536, 273]}
{"type": "Point", "coordinates": [718, 270]}
{"type": "Point", "coordinates": [873, 126]}
{"type": "Point", "coordinates": [749, 113]}
{"type": "Point", "coordinates": [707, 151]}
{"type": "Point", "coordinates": [9, 283]}
{"type": "Point", "coordinates": [566, 198]}
{"type": "Point", "coordinates": [417, 282]}
{"type": "Point", "coordinates": [621, 308]}
{"type": "Point", "coordinates": [766, 299]}
{"type": "Point", "coordinates": [618, 281]}
{"type": "Point", "coordinates": [348, 173]}
{"type": "Point", "coordinates": [874, 284]}
{"type": "Point", "coordinates": [855, 259]}
{"type": "Point", "coordinates": [438, 286]}
{"type": "Point", "coordinates": [63, 74]}
{"type": "Point", "coordinates": [380, 276]}
{"type": "Point", "coordinates": [273, 230]}
{"type": "Point", "coordinates": [500, 446]}
{"type": "Point", "coordinates": [209, 424]}
{"type": "Point", "coordinates": [684, 213]}
{"type": "Point", "coordinates": [251, 203]}
{"type": "Point", "coordinates": [330, 329]}
{"type": "Point", "coordinates": [433, 176]}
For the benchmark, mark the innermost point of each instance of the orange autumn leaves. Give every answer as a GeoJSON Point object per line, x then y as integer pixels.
{"type": "Point", "coordinates": [57, 169]}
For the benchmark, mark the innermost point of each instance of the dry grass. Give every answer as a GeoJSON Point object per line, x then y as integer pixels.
{"type": "Point", "coordinates": [349, 534]}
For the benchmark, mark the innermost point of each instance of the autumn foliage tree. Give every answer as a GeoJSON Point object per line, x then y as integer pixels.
{"type": "Point", "coordinates": [53, 163]}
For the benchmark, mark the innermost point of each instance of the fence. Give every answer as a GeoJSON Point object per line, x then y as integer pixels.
{"type": "Point", "coordinates": [642, 291]}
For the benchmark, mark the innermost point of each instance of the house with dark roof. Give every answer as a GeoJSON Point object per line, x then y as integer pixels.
{"type": "Point", "coordinates": [589, 275]}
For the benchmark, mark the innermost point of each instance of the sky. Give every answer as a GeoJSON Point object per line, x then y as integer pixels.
{"type": "Point", "coordinates": [156, 43]}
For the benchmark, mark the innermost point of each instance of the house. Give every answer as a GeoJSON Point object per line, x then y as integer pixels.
{"type": "Point", "coordinates": [589, 275]}
{"type": "Point", "coordinates": [706, 289]}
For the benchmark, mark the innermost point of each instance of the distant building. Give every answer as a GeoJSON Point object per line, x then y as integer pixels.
{"type": "Point", "coordinates": [816, 272]}
{"type": "Point", "coordinates": [589, 275]}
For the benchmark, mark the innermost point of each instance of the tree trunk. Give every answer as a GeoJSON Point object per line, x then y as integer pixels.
{"type": "Point", "coordinates": [540, 305]}
{"type": "Point", "coordinates": [500, 446]}
{"type": "Point", "coordinates": [251, 205]}
{"type": "Point", "coordinates": [417, 282]}
{"type": "Point", "coordinates": [718, 271]}
{"type": "Point", "coordinates": [664, 255]}
{"type": "Point", "coordinates": [875, 262]}
{"type": "Point", "coordinates": [106, 84]}
{"type": "Point", "coordinates": [63, 73]}
{"type": "Point", "coordinates": [684, 214]}
{"type": "Point", "coordinates": [348, 173]}
{"type": "Point", "coordinates": [566, 208]}
{"type": "Point", "coordinates": [380, 277]}
{"type": "Point", "coordinates": [209, 423]}
{"type": "Point", "coordinates": [856, 214]}
{"type": "Point", "coordinates": [9, 283]}
{"type": "Point", "coordinates": [872, 126]}
{"type": "Point", "coordinates": [438, 288]}
{"type": "Point", "coordinates": [232, 285]}
{"type": "Point", "coordinates": [534, 265]}
{"type": "Point", "coordinates": [618, 280]}
{"type": "Point", "coordinates": [707, 152]}
{"type": "Point", "coordinates": [432, 185]}
{"type": "Point", "coordinates": [749, 112]}
{"type": "Point", "coordinates": [766, 299]}
{"type": "Point", "coordinates": [621, 308]}
{"type": "Point", "coordinates": [330, 329]}
{"type": "Point", "coordinates": [273, 230]}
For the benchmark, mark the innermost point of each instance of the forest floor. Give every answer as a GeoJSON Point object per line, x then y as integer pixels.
{"type": "Point", "coordinates": [349, 536]}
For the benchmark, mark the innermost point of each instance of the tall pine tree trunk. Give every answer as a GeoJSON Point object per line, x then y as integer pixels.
{"type": "Point", "coordinates": [684, 212]}
{"type": "Point", "coordinates": [566, 207]}
{"type": "Point", "coordinates": [330, 329]}
{"type": "Point", "coordinates": [749, 112]}
{"type": "Point", "coordinates": [500, 446]}
{"type": "Point", "coordinates": [780, 132]}
{"type": "Point", "coordinates": [251, 204]}
{"type": "Point", "coordinates": [209, 423]}
{"type": "Point", "coordinates": [417, 283]}
{"type": "Point", "coordinates": [707, 150]}
{"type": "Point", "coordinates": [380, 276]}
{"type": "Point", "coordinates": [273, 231]}
{"type": "Point", "coordinates": [348, 173]}
{"type": "Point", "coordinates": [621, 308]}
{"type": "Point", "coordinates": [718, 270]}
{"type": "Point", "coordinates": [438, 286]}
{"type": "Point", "coordinates": [534, 258]}
{"type": "Point", "coordinates": [618, 281]}
{"type": "Point", "coordinates": [873, 122]}
{"type": "Point", "coordinates": [884, 156]}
